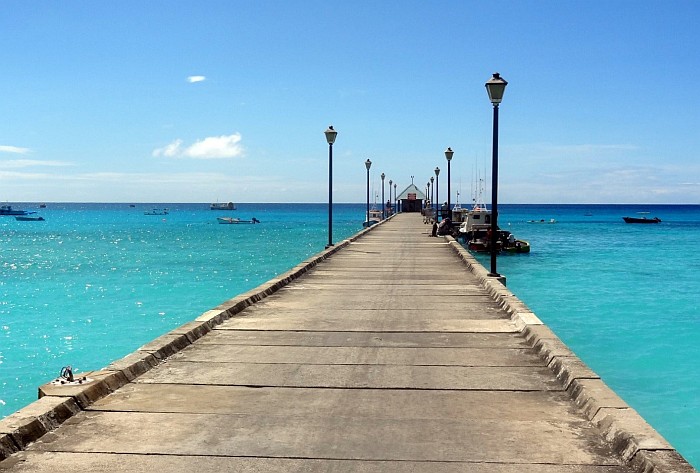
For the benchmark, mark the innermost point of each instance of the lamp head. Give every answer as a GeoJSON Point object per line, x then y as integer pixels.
{"type": "Point", "coordinates": [448, 154]}
{"type": "Point", "coordinates": [368, 164]}
{"type": "Point", "coordinates": [330, 135]}
{"type": "Point", "coordinates": [495, 86]}
{"type": "Point", "coordinates": [437, 172]}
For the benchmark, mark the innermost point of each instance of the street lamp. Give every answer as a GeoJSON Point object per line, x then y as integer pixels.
{"type": "Point", "coordinates": [390, 212]}
{"type": "Point", "coordinates": [437, 194]}
{"type": "Point", "coordinates": [396, 201]}
{"type": "Point", "coordinates": [448, 155]}
{"type": "Point", "coordinates": [330, 138]}
{"type": "Point", "coordinates": [495, 87]}
{"type": "Point", "coordinates": [368, 164]}
{"type": "Point", "coordinates": [383, 206]}
{"type": "Point", "coordinates": [432, 190]}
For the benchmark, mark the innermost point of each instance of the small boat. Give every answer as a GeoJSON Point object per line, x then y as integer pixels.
{"type": "Point", "coordinates": [222, 206]}
{"type": "Point", "coordinates": [29, 218]}
{"type": "Point", "coordinates": [375, 216]}
{"type": "Point", "coordinates": [234, 221]}
{"type": "Point", "coordinates": [156, 212]}
{"type": "Point", "coordinates": [506, 243]}
{"type": "Point", "coordinates": [8, 210]}
{"type": "Point", "coordinates": [42, 206]}
{"type": "Point", "coordinates": [551, 220]}
{"type": "Point", "coordinates": [641, 220]}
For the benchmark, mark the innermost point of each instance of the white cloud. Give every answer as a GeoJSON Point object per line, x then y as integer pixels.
{"type": "Point", "coordinates": [212, 147]}
{"type": "Point", "coordinates": [193, 79]}
{"type": "Point", "coordinates": [13, 149]}
{"type": "Point", "coordinates": [25, 163]}
{"type": "Point", "coordinates": [169, 151]}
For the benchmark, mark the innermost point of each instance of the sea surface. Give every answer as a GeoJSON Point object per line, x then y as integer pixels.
{"type": "Point", "coordinates": [94, 282]}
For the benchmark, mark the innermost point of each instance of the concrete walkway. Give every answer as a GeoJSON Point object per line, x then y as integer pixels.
{"type": "Point", "coordinates": [394, 354]}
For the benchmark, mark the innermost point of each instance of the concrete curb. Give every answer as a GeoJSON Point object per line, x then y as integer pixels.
{"type": "Point", "coordinates": [638, 444]}
{"type": "Point", "coordinates": [57, 403]}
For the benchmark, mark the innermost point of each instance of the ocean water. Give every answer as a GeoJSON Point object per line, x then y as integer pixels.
{"type": "Point", "coordinates": [96, 281]}
{"type": "Point", "coordinates": [624, 297]}
{"type": "Point", "coordinates": [93, 282]}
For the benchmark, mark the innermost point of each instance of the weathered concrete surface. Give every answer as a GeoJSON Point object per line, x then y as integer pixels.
{"type": "Point", "coordinates": [391, 355]}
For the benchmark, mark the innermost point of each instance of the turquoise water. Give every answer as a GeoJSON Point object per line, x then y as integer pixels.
{"type": "Point", "coordinates": [96, 281]}
{"type": "Point", "coordinates": [624, 297]}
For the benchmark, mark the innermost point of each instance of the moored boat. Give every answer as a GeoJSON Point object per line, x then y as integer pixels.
{"type": "Point", "coordinates": [222, 206]}
{"type": "Point", "coordinates": [156, 212]}
{"type": "Point", "coordinates": [234, 221]}
{"type": "Point", "coordinates": [551, 220]}
{"type": "Point", "coordinates": [8, 210]}
{"type": "Point", "coordinates": [641, 220]}
{"type": "Point", "coordinates": [375, 216]}
{"type": "Point", "coordinates": [29, 218]}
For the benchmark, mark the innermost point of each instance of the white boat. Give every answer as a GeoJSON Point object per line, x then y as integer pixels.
{"type": "Point", "coordinates": [551, 220]}
{"type": "Point", "coordinates": [222, 206]}
{"type": "Point", "coordinates": [477, 221]}
{"type": "Point", "coordinates": [235, 221]}
{"type": "Point", "coordinates": [156, 212]}
{"type": "Point", "coordinates": [375, 216]}
{"type": "Point", "coordinates": [475, 231]}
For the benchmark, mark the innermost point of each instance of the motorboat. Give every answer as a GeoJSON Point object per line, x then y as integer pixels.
{"type": "Point", "coordinates": [222, 206]}
{"type": "Point", "coordinates": [551, 220]}
{"type": "Point", "coordinates": [641, 220]}
{"type": "Point", "coordinates": [156, 212]}
{"type": "Point", "coordinates": [375, 216]}
{"type": "Point", "coordinates": [8, 210]}
{"type": "Point", "coordinates": [29, 218]}
{"type": "Point", "coordinates": [477, 221]}
{"type": "Point", "coordinates": [505, 242]}
{"type": "Point", "coordinates": [475, 232]}
{"type": "Point", "coordinates": [234, 221]}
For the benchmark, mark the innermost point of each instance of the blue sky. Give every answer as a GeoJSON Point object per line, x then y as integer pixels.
{"type": "Point", "coordinates": [183, 101]}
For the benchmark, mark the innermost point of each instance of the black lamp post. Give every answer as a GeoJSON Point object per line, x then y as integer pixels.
{"type": "Point", "coordinates": [495, 87]}
{"type": "Point", "coordinates": [432, 190]}
{"type": "Point", "coordinates": [383, 206]}
{"type": "Point", "coordinates": [390, 201]}
{"type": "Point", "coordinates": [437, 194]}
{"type": "Point", "coordinates": [448, 155]}
{"type": "Point", "coordinates": [330, 138]}
{"type": "Point", "coordinates": [396, 201]}
{"type": "Point", "coordinates": [368, 164]}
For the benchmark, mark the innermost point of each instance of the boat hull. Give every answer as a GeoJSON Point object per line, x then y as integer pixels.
{"type": "Point", "coordinates": [223, 206]}
{"type": "Point", "coordinates": [236, 221]}
{"type": "Point", "coordinates": [641, 220]}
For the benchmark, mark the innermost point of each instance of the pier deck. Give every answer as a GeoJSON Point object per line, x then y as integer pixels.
{"type": "Point", "coordinates": [390, 355]}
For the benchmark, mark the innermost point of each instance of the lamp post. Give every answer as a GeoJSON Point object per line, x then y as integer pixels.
{"type": "Point", "coordinates": [448, 155]}
{"type": "Point", "coordinates": [437, 194]}
{"type": "Point", "coordinates": [330, 138]}
{"type": "Point", "coordinates": [383, 206]}
{"type": "Point", "coordinates": [432, 190]}
{"type": "Point", "coordinates": [495, 87]}
{"type": "Point", "coordinates": [390, 211]}
{"type": "Point", "coordinates": [396, 201]}
{"type": "Point", "coordinates": [368, 164]}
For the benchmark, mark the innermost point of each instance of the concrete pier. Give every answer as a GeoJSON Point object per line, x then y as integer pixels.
{"type": "Point", "coordinates": [391, 352]}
